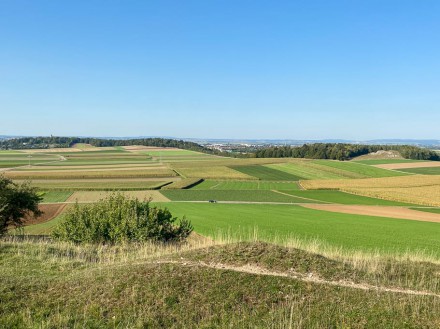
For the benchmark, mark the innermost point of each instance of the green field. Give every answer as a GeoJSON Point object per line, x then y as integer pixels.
{"type": "Point", "coordinates": [311, 170]}
{"type": "Point", "coordinates": [55, 196]}
{"type": "Point", "coordinates": [344, 230]}
{"type": "Point", "coordinates": [432, 210]}
{"type": "Point", "coordinates": [359, 168]}
{"type": "Point", "coordinates": [344, 198]}
{"type": "Point", "coordinates": [265, 173]}
{"type": "Point", "coordinates": [423, 171]}
{"type": "Point", "coordinates": [232, 195]}
{"type": "Point", "coordinates": [245, 185]}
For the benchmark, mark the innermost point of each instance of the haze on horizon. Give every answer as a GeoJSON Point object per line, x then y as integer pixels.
{"type": "Point", "coordinates": [221, 69]}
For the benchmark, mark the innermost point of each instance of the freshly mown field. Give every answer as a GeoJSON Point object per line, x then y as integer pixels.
{"type": "Point", "coordinates": [352, 232]}
{"type": "Point", "coordinates": [359, 168]}
{"type": "Point", "coordinates": [245, 185]}
{"type": "Point", "coordinates": [265, 173]}
{"type": "Point", "coordinates": [232, 195]}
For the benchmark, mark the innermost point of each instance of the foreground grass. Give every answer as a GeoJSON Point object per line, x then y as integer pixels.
{"type": "Point", "coordinates": [53, 285]}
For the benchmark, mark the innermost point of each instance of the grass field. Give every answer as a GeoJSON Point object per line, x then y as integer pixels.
{"type": "Point", "coordinates": [265, 173]}
{"type": "Point", "coordinates": [432, 210]}
{"type": "Point", "coordinates": [359, 168]}
{"type": "Point", "coordinates": [306, 169]}
{"type": "Point", "coordinates": [232, 195]}
{"type": "Point", "coordinates": [55, 196]}
{"type": "Point", "coordinates": [423, 171]}
{"type": "Point", "coordinates": [245, 185]}
{"type": "Point", "coordinates": [341, 230]}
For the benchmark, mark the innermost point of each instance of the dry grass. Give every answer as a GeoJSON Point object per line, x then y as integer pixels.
{"type": "Point", "coordinates": [418, 189]}
{"type": "Point", "coordinates": [94, 173]}
{"type": "Point", "coordinates": [213, 172]}
{"type": "Point", "coordinates": [93, 196]}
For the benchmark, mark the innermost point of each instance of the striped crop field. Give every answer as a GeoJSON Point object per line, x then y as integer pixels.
{"type": "Point", "coordinates": [362, 170]}
{"type": "Point", "coordinates": [266, 173]}
{"type": "Point", "coordinates": [307, 169]}
{"type": "Point", "coordinates": [245, 185]}
{"type": "Point", "coordinates": [233, 195]}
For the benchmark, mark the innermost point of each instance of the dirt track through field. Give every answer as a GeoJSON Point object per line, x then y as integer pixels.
{"type": "Point", "coordinates": [378, 211]}
{"type": "Point", "coordinates": [308, 277]}
{"type": "Point", "coordinates": [409, 165]}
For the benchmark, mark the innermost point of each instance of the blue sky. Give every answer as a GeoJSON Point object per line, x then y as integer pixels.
{"type": "Point", "coordinates": [221, 69]}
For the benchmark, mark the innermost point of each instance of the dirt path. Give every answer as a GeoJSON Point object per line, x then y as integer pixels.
{"type": "Point", "coordinates": [408, 165]}
{"type": "Point", "coordinates": [379, 211]}
{"type": "Point", "coordinates": [299, 197]}
{"type": "Point", "coordinates": [309, 277]}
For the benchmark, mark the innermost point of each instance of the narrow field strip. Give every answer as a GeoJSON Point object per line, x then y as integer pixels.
{"type": "Point", "coordinates": [309, 277]}
{"type": "Point", "coordinates": [378, 211]}
{"type": "Point", "coordinates": [409, 165]}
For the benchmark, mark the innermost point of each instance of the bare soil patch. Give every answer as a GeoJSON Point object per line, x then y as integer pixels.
{"type": "Point", "coordinates": [378, 211]}
{"type": "Point", "coordinates": [50, 211]}
{"type": "Point", "coordinates": [409, 165]}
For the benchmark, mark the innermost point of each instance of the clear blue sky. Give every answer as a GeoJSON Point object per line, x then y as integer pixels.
{"type": "Point", "coordinates": [221, 69]}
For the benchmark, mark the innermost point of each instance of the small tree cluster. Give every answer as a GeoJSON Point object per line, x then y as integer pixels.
{"type": "Point", "coordinates": [16, 201]}
{"type": "Point", "coordinates": [120, 219]}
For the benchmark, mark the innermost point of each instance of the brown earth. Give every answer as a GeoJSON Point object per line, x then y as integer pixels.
{"type": "Point", "coordinates": [408, 165]}
{"type": "Point", "coordinates": [50, 211]}
{"type": "Point", "coordinates": [378, 211]}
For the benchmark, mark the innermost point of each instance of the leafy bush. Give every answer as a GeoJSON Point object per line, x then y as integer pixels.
{"type": "Point", "coordinates": [118, 218]}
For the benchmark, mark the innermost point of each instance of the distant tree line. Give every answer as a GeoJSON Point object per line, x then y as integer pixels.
{"type": "Point", "coordinates": [333, 151]}
{"type": "Point", "coordinates": [62, 142]}
{"type": "Point", "coordinates": [336, 151]}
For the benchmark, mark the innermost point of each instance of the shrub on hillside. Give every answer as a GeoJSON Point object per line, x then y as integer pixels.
{"type": "Point", "coordinates": [120, 219]}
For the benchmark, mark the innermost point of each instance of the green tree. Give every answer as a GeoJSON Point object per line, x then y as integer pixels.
{"type": "Point", "coordinates": [16, 201]}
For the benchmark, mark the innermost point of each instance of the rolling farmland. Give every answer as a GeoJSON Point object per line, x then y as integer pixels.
{"type": "Point", "coordinates": [185, 180]}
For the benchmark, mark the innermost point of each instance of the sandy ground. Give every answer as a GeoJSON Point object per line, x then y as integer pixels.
{"type": "Point", "coordinates": [93, 196]}
{"type": "Point", "coordinates": [408, 165]}
{"type": "Point", "coordinates": [379, 211]}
